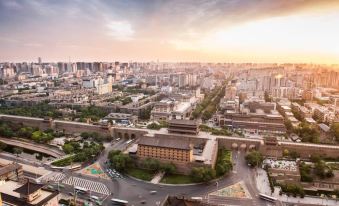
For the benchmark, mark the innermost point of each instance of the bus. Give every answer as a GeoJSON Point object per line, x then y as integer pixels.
{"type": "Point", "coordinates": [268, 198]}
{"type": "Point", "coordinates": [80, 189]}
{"type": "Point", "coordinates": [119, 202]}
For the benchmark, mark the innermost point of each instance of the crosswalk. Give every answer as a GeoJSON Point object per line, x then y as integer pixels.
{"type": "Point", "coordinates": [218, 200]}
{"type": "Point", "coordinates": [53, 177]}
{"type": "Point", "coordinates": [89, 185]}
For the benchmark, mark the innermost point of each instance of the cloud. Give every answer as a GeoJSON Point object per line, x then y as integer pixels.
{"type": "Point", "coordinates": [120, 30]}
{"type": "Point", "coordinates": [8, 40]}
{"type": "Point", "coordinates": [33, 45]}
{"type": "Point", "coordinates": [176, 26]}
{"type": "Point", "coordinates": [11, 4]}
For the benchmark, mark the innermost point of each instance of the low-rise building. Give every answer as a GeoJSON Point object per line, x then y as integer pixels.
{"type": "Point", "coordinates": [30, 194]}
{"type": "Point", "coordinates": [168, 149]}
{"type": "Point", "coordinates": [11, 172]}
{"type": "Point", "coordinates": [162, 111]}
{"type": "Point", "coordinates": [183, 127]}
{"type": "Point", "coordinates": [121, 118]}
{"type": "Point", "coordinates": [252, 122]}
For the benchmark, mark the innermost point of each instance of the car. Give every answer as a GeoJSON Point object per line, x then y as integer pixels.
{"type": "Point", "coordinates": [143, 202]}
{"type": "Point", "coordinates": [153, 192]}
{"type": "Point", "coordinates": [71, 194]}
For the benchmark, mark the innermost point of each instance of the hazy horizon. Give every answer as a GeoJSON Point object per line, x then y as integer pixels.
{"type": "Point", "coordinates": [237, 31]}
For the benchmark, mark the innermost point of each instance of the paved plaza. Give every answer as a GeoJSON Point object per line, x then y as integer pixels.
{"type": "Point", "coordinates": [237, 190]}
{"type": "Point", "coordinates": [94, 170]}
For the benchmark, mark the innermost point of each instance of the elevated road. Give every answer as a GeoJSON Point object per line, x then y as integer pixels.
{"type": "Point", "coordinates": [54, 152]}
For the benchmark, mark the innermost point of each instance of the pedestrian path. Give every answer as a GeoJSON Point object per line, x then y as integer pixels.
{"type": "Point", "coordinates": [156, 179]}
{"type": "Point", "coordinates": [89, 185]}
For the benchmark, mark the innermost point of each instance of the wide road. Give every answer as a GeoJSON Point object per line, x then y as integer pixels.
{"type": "Point", "coordinates": [135, 191]}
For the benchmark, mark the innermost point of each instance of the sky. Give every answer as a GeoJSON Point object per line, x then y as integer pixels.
{"type": "Point", "coordinates": [266, 31]}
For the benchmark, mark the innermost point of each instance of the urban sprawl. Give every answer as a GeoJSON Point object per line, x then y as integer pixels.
{"type": "Point", "coordinates": [155, 133]}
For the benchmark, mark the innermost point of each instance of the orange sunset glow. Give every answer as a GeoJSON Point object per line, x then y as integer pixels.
{"type": "Point", "coordinates": [210, 31]}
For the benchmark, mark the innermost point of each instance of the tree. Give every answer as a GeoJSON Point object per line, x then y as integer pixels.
{"type": "Point", "coordinates": [267, 97]}
{"type": "Point", "coordinates": [119, 160]}
{"type": "Point", "coordinates": [294, 155]}
{"type": "Point", "coordinates": [145, 114]}
{"type": "Point", "coordinates": [322, 170]}
{"type": "Point", "coordinates": [6, 131]}
{"type": "Point", "coordinates": [168, 168]}
{"type": "Point", "coordinates": [254, 158]}
{"type": "Point", "coordinates": [25, 132]}
{"type": "Point", "coordinates": [2, 146]}
{"type": "Point", "coordinates": [68, 148]}
{"type": "Point", "coordinates": [224, 163]}
{"type": "Point", "coordinates": [126, 100]}
{"type": "Point", "coordinates": [2, 82]}
{"type": "Point", "coordinates": [37, 135]}
{"type": "Point", "coordinates": [154, 126]}
{"type": "Point", "coordinates": [335, 130]}
{"type": "Point", "coordinates": [42, 137]}
{"type": "Point", "coordinates": [17, 151]}
{"type": "Point", "coordinates": [295, 189]}
{"type": "Point", "coordinates": [151, 164]}
{"type": "Point", "coordinates": [297, 114]}
{"type": "Point", "coordinates": [289, 126]}
{"type": "Point", "coordinates": [308, 133]}
{"type": "Point", "coordinates": [336, 193]}
{"type": "Point", "coordinates": [305, 172]}
{"type": "Point", "coordinates": [286, 153]}
{"type": "Point", "coordinates": [112, 153]}
{"type": "Point", "coordinates": [202, 174]}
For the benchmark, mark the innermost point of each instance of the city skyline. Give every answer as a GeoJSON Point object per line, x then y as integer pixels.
{"type": "Point", "coordinates": [206, 31]}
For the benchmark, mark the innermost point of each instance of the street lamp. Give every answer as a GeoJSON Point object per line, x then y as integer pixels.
{"type": "Point", "coordinates": [104, 199]}
{"type": "Point", "coordinates": [75, 197]}
{"type": "Point", "coordinates": [217, 183]}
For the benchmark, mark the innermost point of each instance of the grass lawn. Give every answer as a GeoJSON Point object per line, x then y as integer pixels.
{"type": "Point", "coordinates": [176, 179]}
{"type": "Point", "coordinates": [140, 174]}
{"type": "Point", "coordinates": [63, 162]}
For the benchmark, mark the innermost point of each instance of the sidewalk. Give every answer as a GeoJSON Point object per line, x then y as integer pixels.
{"type": "Point", "coordinates": [156, 179]}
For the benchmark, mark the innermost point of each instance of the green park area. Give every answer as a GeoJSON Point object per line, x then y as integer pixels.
{"type": "Point", "coordinates": [80, 152]}
{"type": "Point", "coordinates": [177, 179]}
{"type": "Point", "coordinates": [63, 162]}
{"type": "Point", "coordinates": [139, 173]}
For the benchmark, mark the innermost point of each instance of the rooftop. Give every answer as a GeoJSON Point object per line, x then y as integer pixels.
{"type": "Point", "coordinates": [10, 194]}
{"type": "Point", "coordinates": [9, 168]}
{"type": "Point", "coordinates": [281, 164]}
{"type": "Point", "coordinates": [177, 143]}
{"type": "Point", "coordinates": [28, 188]}
{"type": "Point", "coordinates": [183, 122]}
